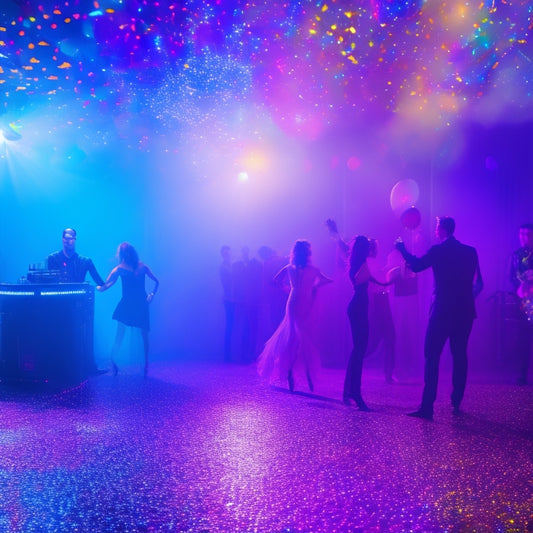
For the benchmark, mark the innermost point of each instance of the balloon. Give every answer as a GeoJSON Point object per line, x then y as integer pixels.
{"type": "Point", "coordinates": [353, 163]}
{"type": "Point", "coordinates": [411, 218]}
{"type": "Point", "coordinates": [403, 195]}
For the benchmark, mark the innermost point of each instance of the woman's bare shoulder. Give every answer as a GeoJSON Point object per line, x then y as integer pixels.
{"type": "Point", "coordinates": [142, 268]}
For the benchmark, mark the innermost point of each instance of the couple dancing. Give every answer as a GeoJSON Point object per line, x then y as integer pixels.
{"type": "Point", "coordinates": [290, 348]}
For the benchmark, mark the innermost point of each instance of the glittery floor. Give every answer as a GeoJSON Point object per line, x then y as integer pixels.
{"type": "Point", "coordinates": [209, 448]}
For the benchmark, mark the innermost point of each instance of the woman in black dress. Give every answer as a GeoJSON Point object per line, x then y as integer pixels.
{"type": "Point", "coordinates": [358, 315]}
{"type": "Point", "coordinates": [132, 310]}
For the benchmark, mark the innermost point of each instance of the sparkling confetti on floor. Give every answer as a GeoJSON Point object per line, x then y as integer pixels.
{"type": "Point", "coordinates": [207, 448]}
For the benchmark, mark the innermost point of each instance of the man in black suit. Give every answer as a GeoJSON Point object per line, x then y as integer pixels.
{"type": "Point", "coordinates": [457, 282]}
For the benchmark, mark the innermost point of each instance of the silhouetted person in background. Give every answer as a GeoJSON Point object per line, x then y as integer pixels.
{"type": "Point", "coordinates": [404, 301]}
{"type": "Point", "coordinates": [132, 309]}
{"type": "Point", "coordinates": [381, 323]}
{"type": "Point", "coordinates": [458, 281]}
{"type": "Point", "coordinates": [274, 298]}
{"type": "Point", "coordinates": [291, 349]}
{"type": "Point", "coordinates": [247, 288]}
{"type": "Point", "coordinates": [521, 278]}
{"type": "Point", "coordinates": [73, 267]}
{"type": "Point", "coordinates": [226, 278]}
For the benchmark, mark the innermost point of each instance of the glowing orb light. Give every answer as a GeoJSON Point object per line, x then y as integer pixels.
{"type": "Point", "coordinates": [9, 132]}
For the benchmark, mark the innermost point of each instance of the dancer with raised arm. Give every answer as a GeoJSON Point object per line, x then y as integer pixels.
{"type": "Point", "coordinates": [360, 276]}
{"type": "Point", "coordinates": [457, 283]}
{"type": "Point", "coordinates": [132, 310]}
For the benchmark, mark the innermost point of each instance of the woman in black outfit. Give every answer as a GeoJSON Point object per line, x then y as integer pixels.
{"type": "Point", "coordinates": [358, 315]}
{"type": "Point", "coordinates": [132, 310]}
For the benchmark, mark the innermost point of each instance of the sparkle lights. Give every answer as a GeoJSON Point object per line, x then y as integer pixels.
{"type": "Point", "coordinates": [203, 448]}
{"type": "Point", "coordinates": [311, 66]}
{"type": "Point", "coordinates": [199, 91]}
{"type": "Point", "coordinates": [10, 132]}
{"type": "Point", "coordinates": [41, 292]}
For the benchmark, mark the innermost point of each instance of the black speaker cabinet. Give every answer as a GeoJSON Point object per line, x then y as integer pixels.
{"type": "Point", "coordinates": [46, 332]}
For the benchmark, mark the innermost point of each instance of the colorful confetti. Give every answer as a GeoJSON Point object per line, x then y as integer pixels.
{"type": "Point", "coordinates": [309, 65]}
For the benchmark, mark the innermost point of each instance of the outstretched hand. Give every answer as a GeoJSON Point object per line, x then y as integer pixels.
{"type": "Point", "coordinates": [332, 226]}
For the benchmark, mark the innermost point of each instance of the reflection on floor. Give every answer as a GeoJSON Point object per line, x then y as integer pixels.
{"type": "Point", "coordinates": [209, 448]}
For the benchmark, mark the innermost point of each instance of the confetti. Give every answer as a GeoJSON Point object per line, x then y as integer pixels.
{"type": "Point", "coordinates": [327, 63]}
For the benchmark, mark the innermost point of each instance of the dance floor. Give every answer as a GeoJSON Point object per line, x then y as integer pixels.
{"type": "Point", "coordinates": [207, 448]}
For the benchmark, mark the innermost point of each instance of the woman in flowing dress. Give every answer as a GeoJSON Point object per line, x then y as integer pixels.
{"type": "Point", "coordinates": [132, 309]}
{"type": "Point", "coordinates": [291, 346]}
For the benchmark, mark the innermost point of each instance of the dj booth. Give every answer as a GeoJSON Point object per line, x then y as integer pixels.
{"type": "Point", "coordinates": [46, 332]}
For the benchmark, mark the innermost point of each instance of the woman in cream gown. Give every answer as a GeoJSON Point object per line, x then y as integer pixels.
{"type": "Point", "coordinates": [290, 348]}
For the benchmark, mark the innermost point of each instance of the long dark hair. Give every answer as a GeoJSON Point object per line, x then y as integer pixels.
{"type": "Point", "coordinates": [128, 254]}
{"type": "Point", "coordinates": [301, 252]}
{"type": "Point", "coordinates": [360, 249]}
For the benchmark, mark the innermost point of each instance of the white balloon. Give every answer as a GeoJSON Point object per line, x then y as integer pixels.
{"type": "Point", "coordinates": [403, 195]}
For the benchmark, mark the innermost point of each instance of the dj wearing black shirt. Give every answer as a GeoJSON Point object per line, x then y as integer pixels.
{"type": "Point", "coordinates": [73, 267]}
